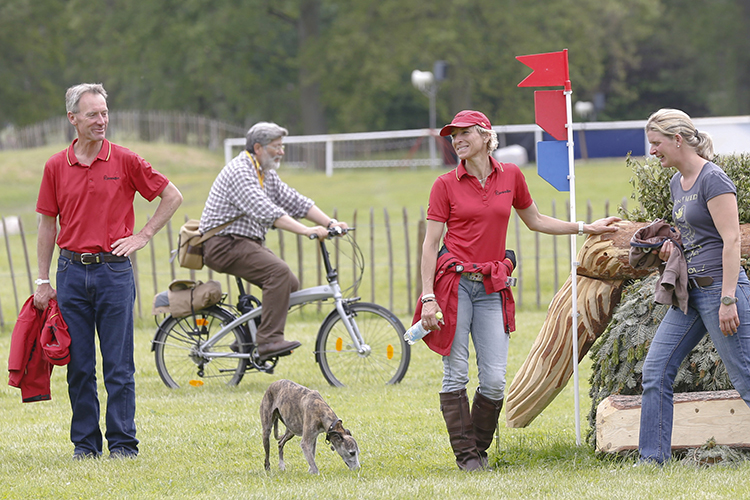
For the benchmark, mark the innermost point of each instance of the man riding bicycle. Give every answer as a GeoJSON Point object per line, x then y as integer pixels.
{"type": "Point", "coordinates": [249, 192]}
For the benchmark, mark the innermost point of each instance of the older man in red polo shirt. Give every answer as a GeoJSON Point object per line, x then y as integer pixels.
{"type": "Point", "coordinates": [89, 188]}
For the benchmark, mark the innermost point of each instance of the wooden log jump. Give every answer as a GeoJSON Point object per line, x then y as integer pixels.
{"type": "Point", "coordinates": [601, 273]}
{"type": "Point", "coordinates": [603, 268]}
{"type": "Point", "coordinates": [720, 416]}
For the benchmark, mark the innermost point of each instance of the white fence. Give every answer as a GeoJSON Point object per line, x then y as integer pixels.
{"type": "Point", "coordinates": [410, 148]}
{"type": "Point", "coordinates": [401, 148]}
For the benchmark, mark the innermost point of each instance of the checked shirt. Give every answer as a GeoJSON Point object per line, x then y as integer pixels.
{"type": "Point", "coordinates": [239, 192]}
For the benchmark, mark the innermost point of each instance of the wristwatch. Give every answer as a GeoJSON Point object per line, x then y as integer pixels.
{"type": "Point", "coordinates": [728, 301]}
{"type": "Point", "coordinates": [40, 281]}
{"type": "Point", "coordinates": [332, 222]}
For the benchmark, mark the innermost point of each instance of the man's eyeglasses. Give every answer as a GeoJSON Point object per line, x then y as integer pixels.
{"type": "Point", "coordinates": [279, 147]}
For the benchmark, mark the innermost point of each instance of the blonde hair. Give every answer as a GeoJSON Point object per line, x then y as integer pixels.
{"type": "Point", "coordinates": [671, 122]}
{"type": "Point", "coordinates": [492, 144]}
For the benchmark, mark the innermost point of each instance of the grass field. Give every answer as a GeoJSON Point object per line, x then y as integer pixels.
{"type": "Point", "coordinates": [200, 443]}
{"type": "Point", "coordinates": [206, 443]}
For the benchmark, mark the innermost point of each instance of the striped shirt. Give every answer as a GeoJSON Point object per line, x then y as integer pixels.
{"type": "Point", "coordinates": [239, 192]}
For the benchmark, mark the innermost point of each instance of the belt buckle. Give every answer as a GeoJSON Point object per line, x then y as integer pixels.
{"type": "Point", "coordinates": [96, 259]}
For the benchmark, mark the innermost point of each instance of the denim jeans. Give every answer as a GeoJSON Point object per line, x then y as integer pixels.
{"type": "Point", "coordinates": [676, 336]}
{"type": "Point", "coordinates": [481, 316]}
{"type": "Point", "coordinates": [99, 297]}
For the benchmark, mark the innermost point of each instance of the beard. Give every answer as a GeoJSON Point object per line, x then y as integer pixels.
{"type": "Point", "coordinates": [270, 162]}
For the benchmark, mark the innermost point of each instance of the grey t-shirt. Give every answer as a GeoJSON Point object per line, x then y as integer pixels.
{"type": "Point", "coordinates": [700, 238]}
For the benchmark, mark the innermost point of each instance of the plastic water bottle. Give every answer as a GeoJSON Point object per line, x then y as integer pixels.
{"type": "Point", "coordinates": [417, 330]}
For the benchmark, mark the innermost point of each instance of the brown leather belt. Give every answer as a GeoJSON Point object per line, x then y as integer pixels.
{"type": "Point", "coordinates": [474, 276]}
{"type": "Point", "coordinates": [92, 258]}
{"type": "Point", "coordinates": [700, 281]}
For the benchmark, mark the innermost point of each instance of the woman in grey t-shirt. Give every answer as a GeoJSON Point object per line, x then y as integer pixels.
{"type": "Point", "coordinates": [705, 211]}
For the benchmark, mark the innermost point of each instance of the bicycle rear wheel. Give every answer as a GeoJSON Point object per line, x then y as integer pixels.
{"type": "Point", "coordinates": [384, 358]}
{"type": "Point", "coordinates": [179, 361]}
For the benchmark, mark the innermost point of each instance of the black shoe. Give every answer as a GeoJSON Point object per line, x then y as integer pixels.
{"type": "Point", "coordinates": [278, 348]}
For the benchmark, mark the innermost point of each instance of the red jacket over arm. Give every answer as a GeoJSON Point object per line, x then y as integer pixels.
{"type": "Point", "coordinates": [39, 339]}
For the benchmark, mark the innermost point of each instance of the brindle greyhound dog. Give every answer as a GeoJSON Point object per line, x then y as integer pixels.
{"type": "Point", "coordinates": [304, 413]}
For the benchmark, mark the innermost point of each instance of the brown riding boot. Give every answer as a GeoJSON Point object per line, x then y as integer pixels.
{"type": "Point", "coordinates": [455, 408]}
{"type": "Point", "coordinates": [484, 415]}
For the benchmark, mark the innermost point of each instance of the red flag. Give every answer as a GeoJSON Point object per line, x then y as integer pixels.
{"type": "Point", "coordinates": [550, 113]}
{"type": "Point", "coordinates": [549, 69]}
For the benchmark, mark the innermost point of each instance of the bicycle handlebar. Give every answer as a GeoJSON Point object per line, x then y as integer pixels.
{"type": "Point", "coordinates": [334, 231]}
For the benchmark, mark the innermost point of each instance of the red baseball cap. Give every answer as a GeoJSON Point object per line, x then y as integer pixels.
{"type": "Point", "coordinates": [466, 118]}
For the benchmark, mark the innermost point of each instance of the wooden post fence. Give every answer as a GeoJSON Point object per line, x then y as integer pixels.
{"type": "Point", "coordinates": [393, 282]}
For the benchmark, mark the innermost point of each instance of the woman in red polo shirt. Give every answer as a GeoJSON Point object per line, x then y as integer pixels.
{"type": "Point", "coordinates": [465, 279]}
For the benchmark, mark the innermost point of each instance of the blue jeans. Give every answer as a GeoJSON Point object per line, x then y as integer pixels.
{"type": "Point", "coordinates": [481, 316]}
{"type": "Point", "coordinates": [676, 336]}
{"type": "Point", "coordinates": [101, 297]}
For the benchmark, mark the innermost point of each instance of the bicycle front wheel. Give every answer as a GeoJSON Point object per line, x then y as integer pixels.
{"type": "Point", "coordinates": [181, 361]}
{"type": "Point", "coordinates": [384, 355]}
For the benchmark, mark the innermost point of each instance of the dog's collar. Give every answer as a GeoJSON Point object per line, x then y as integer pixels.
{"type": "Point", "coordinates": [331, 431]}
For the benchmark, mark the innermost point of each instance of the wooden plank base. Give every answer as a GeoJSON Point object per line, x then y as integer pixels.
{"type": "Point", "coordinates": [698, 417]}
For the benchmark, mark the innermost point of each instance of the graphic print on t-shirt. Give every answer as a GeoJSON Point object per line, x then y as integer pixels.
{"type": "Point", "coordinates": [680, 210]}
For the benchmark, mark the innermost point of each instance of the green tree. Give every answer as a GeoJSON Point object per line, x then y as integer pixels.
{"type": "Point", "coordinates": [371, 49]}
{"type": "Point", "coordinates": [230, 61]}
{"type": "Point", "coordinates": [305, 17]}
{"type": "Point", "coordinates": [698, 60]}
{"type": "Point", "coordinates": [343, 66]}
{"type": "Point", "coordinates": [32, 58]}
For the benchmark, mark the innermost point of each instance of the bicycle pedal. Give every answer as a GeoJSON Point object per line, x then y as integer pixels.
{"type": "Point", "coordinates": [263, 366]}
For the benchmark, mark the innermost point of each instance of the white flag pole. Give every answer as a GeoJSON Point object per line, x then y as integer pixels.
{"type": "Point", "coordinates": [574, 256]}
{"type": "Point", "coordinates": [551, 71]}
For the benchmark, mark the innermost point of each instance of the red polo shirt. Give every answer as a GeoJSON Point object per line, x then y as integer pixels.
{"type": "Point", "coordinates": [95, 202]}
{"type": "Point", "coordinates": [477, 217]}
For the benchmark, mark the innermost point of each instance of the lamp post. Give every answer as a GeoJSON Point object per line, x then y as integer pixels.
{"type": "Point", "coordinates": [427, 83]}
